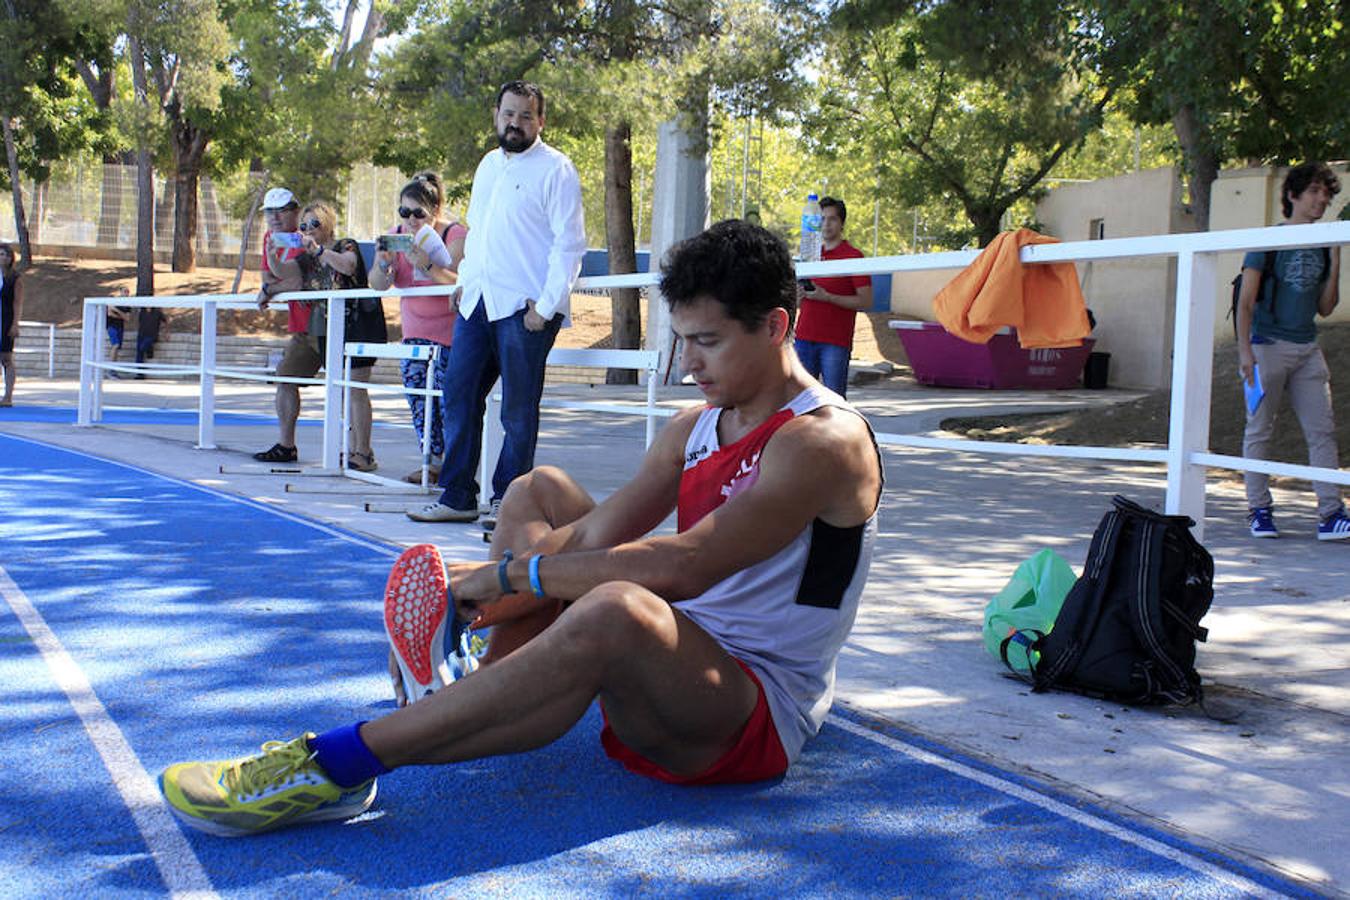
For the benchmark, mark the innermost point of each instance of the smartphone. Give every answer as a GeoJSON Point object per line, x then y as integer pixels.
{"type": "Point", "coordinates": [394, 243]}
{"type": "Point", "coordinates": [289, 239]}
{"type": "Point", "coordinates": [806, 284]}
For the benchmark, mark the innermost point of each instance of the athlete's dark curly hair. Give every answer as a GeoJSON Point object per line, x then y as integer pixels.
{"type": "Point", "coordinates": [1298, 179]}
{"type": "Point", "coordinates": [744, 267]}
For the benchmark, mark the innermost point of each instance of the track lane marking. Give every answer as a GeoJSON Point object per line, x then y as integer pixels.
{"type": "Point", "coordinates": [178, 865]}
{"type": "Point", "coordinates": [1058, 807]}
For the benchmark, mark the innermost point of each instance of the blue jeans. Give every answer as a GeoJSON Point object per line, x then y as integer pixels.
{"type": "Point", "coordinates": [828, 362]}
{"type": "Point", "coordinates": [481, 351]}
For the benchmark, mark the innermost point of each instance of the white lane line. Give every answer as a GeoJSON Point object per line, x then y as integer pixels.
{"type": "Point", "coordinates": [331, 530]}
{"type": "Point", "coordinates": [178, 866]}
{"type": "Point", "coordinates": [1012, 789]}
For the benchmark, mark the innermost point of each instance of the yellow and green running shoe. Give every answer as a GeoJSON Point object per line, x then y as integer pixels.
{"type": "Point", "coordinates": [281, 786]}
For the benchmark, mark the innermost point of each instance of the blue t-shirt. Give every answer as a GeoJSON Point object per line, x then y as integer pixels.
{"type": "Point", "coordinates": [1297, 285]}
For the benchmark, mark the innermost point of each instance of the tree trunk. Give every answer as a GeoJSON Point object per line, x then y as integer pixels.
{"type": "Point", "coordinates": [145, 180]}
{"type": "Point", "coordinates": [625, 311]}
{"type": "Point", "coordinates": [20, 221]}
{"type": "Point", "coordinates": [189, 146]}
{"type": "Point", "coordinates": [1202, 161]}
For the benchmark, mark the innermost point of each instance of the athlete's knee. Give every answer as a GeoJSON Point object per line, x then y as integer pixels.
{"type": "Point", "coordinates": [548, 491]}
{"type": "Point", "coordinates": [619, 617]}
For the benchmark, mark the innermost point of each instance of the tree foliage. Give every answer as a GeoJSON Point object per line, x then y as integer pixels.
{"type": "Point", "coordinates": [1259, 80]}
{"type": "Point", "coordinates": [973, 101]}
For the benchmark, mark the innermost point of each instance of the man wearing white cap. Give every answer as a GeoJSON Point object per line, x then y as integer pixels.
{"type": "Point", "coordinates": [281, 249]}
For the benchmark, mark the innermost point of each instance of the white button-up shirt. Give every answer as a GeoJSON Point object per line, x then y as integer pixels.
{"type": "Point", "coordinates": [526, 234]}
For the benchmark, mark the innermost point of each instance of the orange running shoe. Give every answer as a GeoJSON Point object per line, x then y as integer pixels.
{"type": "Point", "coordinates": [416, 616]}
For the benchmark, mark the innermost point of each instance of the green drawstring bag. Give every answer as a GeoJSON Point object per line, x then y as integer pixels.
{"type": "Point", "coordinates": [1025, 609]}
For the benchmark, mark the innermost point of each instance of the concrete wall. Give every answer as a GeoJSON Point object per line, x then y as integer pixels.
{"type": "Point", "coordinates": [1132, 299]}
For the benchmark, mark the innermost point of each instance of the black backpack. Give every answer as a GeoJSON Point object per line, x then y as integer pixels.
{"type": "Point", "coordinates": [1127, 629]}
{"type": "Point", "coordinates": [1267, 279]}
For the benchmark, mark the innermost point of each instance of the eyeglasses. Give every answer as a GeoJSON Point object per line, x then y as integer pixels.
{"type": "Point", "coordinates": [311, 225]}
{"type": "Point", "coordinates": [414, 212]}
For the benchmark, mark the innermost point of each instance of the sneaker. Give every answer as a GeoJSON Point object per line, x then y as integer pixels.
{"type": "Point", "coordinates": [439, 512]}
{"type": "Point", "coordinates": [1335, 527]}
{"type": "Point", "coordinates": [489, 519]}
{"type": "Point", "coordinates": [281, 786]}
{"type": "Point", "coordinates": [1262, 522]}
{"type": "Point", "coordinates": [277, 454]}
{"type": "Point", "coordinates": [416, 613]}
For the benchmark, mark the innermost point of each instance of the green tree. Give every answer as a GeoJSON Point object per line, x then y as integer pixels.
{"type": "Point", "coordinates": [1261, 80]}
{"type": "Point", "coordinates": [40, 117]}
{"type": "Point", "coordinates": [974, 101]}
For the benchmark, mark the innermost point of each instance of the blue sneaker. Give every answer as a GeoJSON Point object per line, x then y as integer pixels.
{"type": "Point", "coordinates": [1262, 522]}
{"type": "Point", "coordinates": [1335, 527]}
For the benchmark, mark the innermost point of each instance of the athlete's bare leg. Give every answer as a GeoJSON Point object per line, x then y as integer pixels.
{"type": "Point", "coordinates": [534, 505]}
{"type": "Point", "coordinates": [671, 693]}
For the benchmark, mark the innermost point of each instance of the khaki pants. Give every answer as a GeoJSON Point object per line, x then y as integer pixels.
{"type": "Point", "coordinates": [1301, 371]}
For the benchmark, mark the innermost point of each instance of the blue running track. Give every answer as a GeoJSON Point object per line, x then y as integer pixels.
{"type": "Point", "coordinates": [147, 620]}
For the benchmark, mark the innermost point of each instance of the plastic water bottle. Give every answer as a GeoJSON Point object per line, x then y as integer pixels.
{"type": "Point", "coordinates": [811, 217]}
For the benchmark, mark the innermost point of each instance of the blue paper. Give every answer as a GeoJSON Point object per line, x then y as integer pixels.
{"type": "Point", "coordinates": [1253, 391]}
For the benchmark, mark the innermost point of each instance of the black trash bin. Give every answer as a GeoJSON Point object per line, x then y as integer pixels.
{"type": "Point", "coordinates": [1096, 370]}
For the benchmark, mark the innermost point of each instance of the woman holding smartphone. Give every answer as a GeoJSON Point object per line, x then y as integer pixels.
{"type": "Point", "coordinates": [330, 263]}
{"type": "Point", "coordinates": [428, 320]}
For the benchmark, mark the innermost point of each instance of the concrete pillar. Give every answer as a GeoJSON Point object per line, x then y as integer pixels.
{"type": "Point", "coordinates": [679, 209]}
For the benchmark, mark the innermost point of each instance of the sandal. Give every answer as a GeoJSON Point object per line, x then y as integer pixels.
{"type": "Point", "coordinates": [362, 462]}
{"type": "Point", "coordinates": [415, 476]}
{"type": "Point", "coordinates": [277, 454]}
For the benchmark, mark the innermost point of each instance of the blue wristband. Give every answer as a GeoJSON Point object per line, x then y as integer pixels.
{"type": "Point", "coordinates": [535, 584]}
{"type": "Point", "coordinates": [502, 577]}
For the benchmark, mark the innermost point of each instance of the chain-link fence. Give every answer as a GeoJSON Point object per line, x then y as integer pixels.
{"type": "Point", "coordinates": [93, 204]}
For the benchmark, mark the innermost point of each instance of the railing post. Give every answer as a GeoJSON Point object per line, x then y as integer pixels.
{"type": "Point", "coordinates": [206, 404]}
{"type": "Point", "coordinates": [332, 392]}
{"type": "Point", "coordinates": [89, 337]}
{"type": "Point", "coordinates": [1192, 376]}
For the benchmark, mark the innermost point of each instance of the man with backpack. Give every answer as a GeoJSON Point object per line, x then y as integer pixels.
{"type": "Point", "coordinates": [1281, 295]}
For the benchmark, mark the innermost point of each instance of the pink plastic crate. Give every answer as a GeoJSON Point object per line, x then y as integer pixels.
{"type": "Point", "coordinates": [941, 359]}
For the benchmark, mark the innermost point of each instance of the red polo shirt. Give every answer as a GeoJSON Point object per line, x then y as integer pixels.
{"type": "Point", "coordinates": [825, 322]}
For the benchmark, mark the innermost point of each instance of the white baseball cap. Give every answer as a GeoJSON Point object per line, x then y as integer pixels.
{"type": "Point", "coordinates": [277, 198]}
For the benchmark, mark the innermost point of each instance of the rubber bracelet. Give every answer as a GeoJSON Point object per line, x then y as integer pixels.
{"type": "Point", "coordinates": [535, 584]}
{"type": "Point", "coordinates": [502, 578]}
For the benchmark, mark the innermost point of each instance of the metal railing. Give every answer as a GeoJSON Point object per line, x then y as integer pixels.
{"type": "Point", "coordinates": [93, 364]}
{"type": "Point", "coordinates": [1186, 456]}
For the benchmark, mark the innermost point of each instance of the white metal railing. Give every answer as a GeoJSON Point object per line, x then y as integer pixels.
{"type": "Point", "coordinates": [51, 344]}
{"type": "Point", "coordinates": [93, 364]}
{"type": "Point", "coordinates": [1186, 456]}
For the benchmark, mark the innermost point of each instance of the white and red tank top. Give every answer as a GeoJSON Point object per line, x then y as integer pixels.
{"type": "Point", "coordinates": [788, 616]}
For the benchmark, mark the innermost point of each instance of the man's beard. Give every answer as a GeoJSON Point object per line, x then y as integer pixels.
{"type": "Point", "coordinates": [512, 140]}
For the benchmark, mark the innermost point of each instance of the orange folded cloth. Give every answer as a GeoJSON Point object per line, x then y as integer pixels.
{"type": "Point", "coordinates": [1043, 302]}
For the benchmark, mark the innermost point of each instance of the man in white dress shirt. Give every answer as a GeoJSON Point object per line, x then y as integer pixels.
{"type": "Point", "coordinates": [523, 251]}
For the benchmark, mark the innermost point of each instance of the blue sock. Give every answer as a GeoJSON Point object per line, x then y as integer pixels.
{"type": "Point", "coordinates": [345, 757]}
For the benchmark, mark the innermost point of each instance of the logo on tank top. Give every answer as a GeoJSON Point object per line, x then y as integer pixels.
{"type": "Point", "coordinates": [695, 455]}
{"type": "Point", "coordinates": [745, 477]}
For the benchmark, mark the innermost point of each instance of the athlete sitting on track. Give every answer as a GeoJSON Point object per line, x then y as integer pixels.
{"type": "Point", "coordinates": [712, 650]}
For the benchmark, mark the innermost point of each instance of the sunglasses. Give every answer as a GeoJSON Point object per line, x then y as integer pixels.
{"type": "Point", "coordinates": [311, 225]}
{"type": "Point", "coordinates": [406, 212]}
